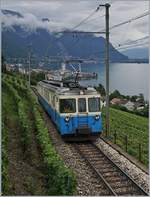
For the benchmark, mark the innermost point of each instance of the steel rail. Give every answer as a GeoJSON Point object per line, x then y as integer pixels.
{"type": "Point", "coordinates": [96, 171]}
{"type": "Point", "coordinates": [123, 172]}
{"type": "Point", "coordinates": [135, 186]}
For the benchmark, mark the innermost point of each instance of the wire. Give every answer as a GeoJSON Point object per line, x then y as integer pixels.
{"type": "Point", "coordinates": [133, 41]}
{"type": "Point", "coordinates": [122, 46]}
{"type": "Point", "coordinates": [130, 20]}
{"type": "Point", "coordinates": [92, 19]}
{"type": "Point", "coordinates": [120, 24]}
{"type": "Point", "coordinates": [85, 19]}
{"type": "Point", "coordinates": [135, 45]}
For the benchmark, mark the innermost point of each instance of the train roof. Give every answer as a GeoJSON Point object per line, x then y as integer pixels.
{"type": "Point", "coordinates": [67, 88]}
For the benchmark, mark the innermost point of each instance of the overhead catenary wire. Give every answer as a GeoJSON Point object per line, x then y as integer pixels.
{"type": "Point", "coordinates": [97, 17]}
{"type": "Point", "coordinates": [133, 41]}
{"type": "Point", "coordinates": [129, 20]}
{"type": "Point", "coordinates": [126, 45]}
{"type": "Point", "coordinates": [117, 25]}
{"type": "Point", "coordinates": [85, 19]}
{"type": "Point", "coordinates": [81, 23]}
{"type": "Point", "coordinates": [132, 46]}
{"type": "Point", "coordinates": [112, 27]}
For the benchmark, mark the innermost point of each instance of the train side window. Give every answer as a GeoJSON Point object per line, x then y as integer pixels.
{"type": "Point", "coordinates": [53, 101]}
{"type": "Point", "coordinates": [94, 104]}
{"type": "Point", "coordinates": [67, 105]}
{"type": "Point", "coordinates": [50, 98]}
{"type": "Point", "coordinates": [46, 94]}
{"type": "Point", "coordinates": [81, 105]}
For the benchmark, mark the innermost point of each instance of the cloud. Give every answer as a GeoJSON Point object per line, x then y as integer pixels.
{"type": "Point", "coordinates": [30, 22]}
{"type": "Point", "coordinates": [68, 13]}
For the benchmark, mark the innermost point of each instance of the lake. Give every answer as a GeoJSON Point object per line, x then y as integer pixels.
{"type": "Point", "coordinates": [128, 78]}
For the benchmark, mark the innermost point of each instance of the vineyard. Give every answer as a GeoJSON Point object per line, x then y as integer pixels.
{"type": "Point", "coordinates": [20, 112]}
{"type": "Point", "coordinates": [130, 132]}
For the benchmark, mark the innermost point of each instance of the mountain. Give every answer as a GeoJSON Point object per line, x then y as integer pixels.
{"type": "Point", "coordinates": [15, 42]}
{"type": "Point", "coordinates": [45, 20]}
{"type": "Point", "coordinates": [137, 53]}
{"type": "Point", "coordinates": [11, 13]}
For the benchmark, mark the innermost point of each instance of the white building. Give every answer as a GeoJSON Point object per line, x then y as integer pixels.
{"type": "Point", "coordinates": [22, 70]}
{"type": "Point", "coordinates": [129, 105]}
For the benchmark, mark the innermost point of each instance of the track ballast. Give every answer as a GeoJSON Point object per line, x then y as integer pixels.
{"type": "Point", "coordinates": [115, 180]}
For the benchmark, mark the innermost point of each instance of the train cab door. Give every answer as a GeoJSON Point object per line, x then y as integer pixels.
{"type": "Point", "coordinates": [56, 109]}
{"type": "Point", "coordinates": [82, 112]}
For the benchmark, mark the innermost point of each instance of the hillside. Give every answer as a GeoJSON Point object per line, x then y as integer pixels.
{"type": "Point", "coordinates": [132, 128]}
{"type": "Point", "coordinates": [31, 165]}
{"type": "Point", "coordinates": [15, 41]}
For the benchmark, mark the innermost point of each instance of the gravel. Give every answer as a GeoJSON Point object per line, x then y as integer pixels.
{"type": "Point", "coordinates": [131, 169]}
{"type": "Point", "coordinates": [87, 181]}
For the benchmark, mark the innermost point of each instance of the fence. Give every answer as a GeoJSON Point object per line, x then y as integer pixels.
{"type": "Point", "coordinates": [130, 146]}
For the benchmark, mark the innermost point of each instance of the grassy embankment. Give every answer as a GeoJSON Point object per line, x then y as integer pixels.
{"type": "Point", "coordinates": [131, 128]}
{"type": "Point", "coordinates": [20, 113]}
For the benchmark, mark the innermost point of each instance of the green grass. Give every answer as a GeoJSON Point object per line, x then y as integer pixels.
{"type": "Point", "coordinates": [134, 127]}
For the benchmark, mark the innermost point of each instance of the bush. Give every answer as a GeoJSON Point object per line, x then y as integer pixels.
{"type": "Point", "coordinates": [25, 127]}
{"type": "Point", "coordinates": [5, 182]}
{"type": "Point", "coordinates": [61, 180]}
{"type": "Point", "coordinates": [23, 118]}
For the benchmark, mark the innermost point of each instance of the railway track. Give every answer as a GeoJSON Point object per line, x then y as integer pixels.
{"type": "Point", "coordinates": [115, 180]}
{"type": "Point", "coordinates": [111, 180]}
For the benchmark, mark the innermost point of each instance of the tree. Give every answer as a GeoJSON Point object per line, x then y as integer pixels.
{"type": "Point", "coordinates": [115, 94]}
{"type": "Point", "coordinates": [133, 98]}
{"type": "Point", "coordinates": [101, 90]}
{"type": "Point", "coordinates": [141, 97]}
{"type": "Point", "coordinates": [3, 64]}
{"type": "Point", "coordinates": [35, 77]}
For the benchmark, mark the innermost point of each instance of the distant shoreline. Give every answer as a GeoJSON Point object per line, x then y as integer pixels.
{"type": "Point", "coordinates": [138, 61]}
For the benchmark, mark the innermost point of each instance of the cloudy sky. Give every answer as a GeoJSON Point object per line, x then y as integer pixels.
{"type": "Point", "coordinates": [68, 13]}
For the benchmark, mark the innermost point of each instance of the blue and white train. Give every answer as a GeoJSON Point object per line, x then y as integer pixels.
{"type": "Point", "coordinates": [75, 110]}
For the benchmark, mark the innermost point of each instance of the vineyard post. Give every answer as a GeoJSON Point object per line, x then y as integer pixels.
{"type": "Point", "coordinates": [126, 143]}
{"type": "Point", "coordinates": [115, 137]}
{"type": "Point", "coordinates": [68, 184]}
{"type": "Point", "coordinates": [106, 134]}
{"type": "Point", "coordinates": [140, 151]}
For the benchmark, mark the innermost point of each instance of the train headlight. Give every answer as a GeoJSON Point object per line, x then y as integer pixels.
{"type": "Point", "coordinates": [97, 117]}
{"type": "Point", "coordinates": [67, 119]}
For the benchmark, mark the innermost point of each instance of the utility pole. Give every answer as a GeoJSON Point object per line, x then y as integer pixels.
{"type": "Point", "coordinates": [107, 6]}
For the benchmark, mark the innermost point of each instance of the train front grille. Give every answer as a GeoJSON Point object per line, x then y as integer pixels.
{"type": "Point", "coordinates": [83, 127]}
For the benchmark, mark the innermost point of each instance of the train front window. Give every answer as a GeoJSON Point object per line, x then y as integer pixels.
{"type": "Point", "coordinates": [94, 104]}
{"type": "Point", "coordinates": [81, 105]}
{"type": "Point", "coordinates": [67, 105]}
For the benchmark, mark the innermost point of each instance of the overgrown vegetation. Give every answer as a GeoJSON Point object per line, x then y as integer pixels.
{"type": "Point", "coordinates": [5, 182]}
{"type": "Point", "coordinates": [60, 179]}
{"type": "Point", "coordinates": [36, 77]}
